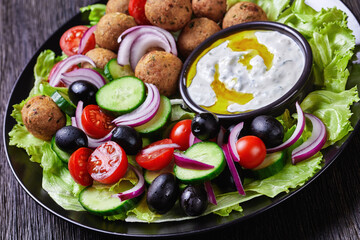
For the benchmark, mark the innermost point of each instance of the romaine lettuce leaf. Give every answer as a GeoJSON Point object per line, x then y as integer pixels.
{"type": "Point", "coordinates": [96, 11]}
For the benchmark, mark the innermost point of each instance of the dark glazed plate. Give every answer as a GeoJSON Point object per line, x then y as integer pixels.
{"type": "Point", "coordinates": [29, 174]}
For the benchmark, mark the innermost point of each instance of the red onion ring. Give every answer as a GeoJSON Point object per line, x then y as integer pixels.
{"type": "Point", "coordinates": [232, 168]}
{"type": "Point", "coordinates": [210, 192]}
{"type": "Point", "coordinates": [136, 191]}
{"type": "Point", "coordinates": [313, 144]}
{"type": "Point", "coordinates": [159, 147]}
{"type": "Point", "coordinates": [233, 137]}
{"type": "Point", "coordinates": [296, 135]}
{"type": "Point", "coordinates": [86, 74]}
{"type": "Point", "coordinates": [193, 139]}
{"type": "Point", "coordinates": [185, 162]}
{"type": "Point", "coordinates": [65, 65]}
{"type": "Point", "coordinates": [85, 38]}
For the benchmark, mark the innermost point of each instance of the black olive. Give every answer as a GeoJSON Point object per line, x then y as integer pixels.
{"type": "Point", "coordinates": [205, 126]}
{"type": "Point", "coordinates": [70, 138]}
{"type": "Point", "coordinates": [128, 138]}
{"type": "Point", "coordinates": [84, 91]}
{"type": "Point", "coordinates": [225, 180]}
{"type": "Point", "coordinates": [268, 129]}
{"type": "Point", "coordinates": [194, 200]}
{"type": "Point", "coordinates": [162, 193]}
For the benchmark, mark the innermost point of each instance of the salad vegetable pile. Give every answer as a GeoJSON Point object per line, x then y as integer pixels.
{"type": "Point", "coordinates": [113, 138]}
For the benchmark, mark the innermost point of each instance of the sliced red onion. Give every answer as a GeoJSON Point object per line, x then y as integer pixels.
{"type": "Point", "coordinates": [296, 135]}
{"type": "Point", "coordinates": [145, 112]}
{"type": "Point", "coordinates": [136, 191]}
{"type": "Point", "coordinates": [76, 122]}
{"type": "Point", "coordinates": [159, 147]}
{"type": "Point", "coordinates": [233, 137]}
{"type": "Point", "coordinates": [65, 65]}
{"type": "Point", "coordinates": [85, 38]}
{"type": "Point", "coordinates": [313, 144]}
{"type": "Point", "coordinates": [193, 139]}
{"type": "Point", "coordinates": [232, 168]}
{"type": "Point", "coordinates": [210, 192]}
{"type": "Point", "coordinates": [143, 43]}
{"type": "Point", "coordinates": [185, 162]}
{"type": "Point", "coordinates": [86, 74]}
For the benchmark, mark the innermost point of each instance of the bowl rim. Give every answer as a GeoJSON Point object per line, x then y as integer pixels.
{"type": "Point", "coordinates": [257, 25]}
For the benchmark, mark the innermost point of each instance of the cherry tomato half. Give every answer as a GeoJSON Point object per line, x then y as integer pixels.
{"type": "Point", "coordinates": [157, 159]}
{"type": "Point", "coordinates": [108, 163]}
{"type": "Point", "coordinates": [251, 150]}
{"type": "Point", "coordinates": [77, 165]}
{"type": "Point", "coordinates": [137, 11]}
{"type": "Point", "coordinates": [70, 40]}
{"type": "Point", "coordinates": [95, 122]}
{"type": "Point", "coordinates": [180, 134]}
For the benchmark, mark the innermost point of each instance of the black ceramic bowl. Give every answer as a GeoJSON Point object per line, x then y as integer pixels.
{"type": "Point", "coordinates": [296, 93]}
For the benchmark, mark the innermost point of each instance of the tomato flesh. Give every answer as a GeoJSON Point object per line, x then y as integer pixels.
{"type": "Point", "coordinates": [180, 134]}
{"type": "Point", "coordinates": [108, 163]}
{"type": "Point", "coordinates": [251, 150]}
{"type": "Point", "coordinates": [157, 159]}
{"type": "Point", "coordinates": [137, 11]}
{"type": "Point", "coordinates": [70, 40]}
{"type": "Point", "coordinates": [95, 122]}
{"type": "Point", "coordinates": [78, 166]}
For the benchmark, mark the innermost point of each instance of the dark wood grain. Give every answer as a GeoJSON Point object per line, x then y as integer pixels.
{"type": "Point", "coordinates": [329, 208]}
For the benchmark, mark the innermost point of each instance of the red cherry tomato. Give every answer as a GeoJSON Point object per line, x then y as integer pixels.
{"type": "Point", "coordinates": [157, 159]}
{"type": "Point", "coordinates": [180, 134]}
{"type": "Point", "coordinates": [108, 163]}
{"type": "Point", "coordinates": [137, 11]}
{"type": "Point", "coordinates": [78, 166]}
{"type": "Point", "coordinates": [251, 150]}
{"type": "Point", "coordinates": [70, 40]}
{"type": "Point", "coordinates": [96, 123]}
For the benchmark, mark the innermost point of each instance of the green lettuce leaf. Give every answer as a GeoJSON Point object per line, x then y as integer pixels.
{"type": "Point", "coordinates": [95, 11]}
{"type": "Point", "coordinates": [333, 109]}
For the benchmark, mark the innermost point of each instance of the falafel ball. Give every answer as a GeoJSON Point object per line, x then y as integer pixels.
{"type": "Point", "coordinates": [110, 27]}
{"type": "Point", "coordinates": [42, 117]}
{"type": "Point", "coordinates": [161, 69]}
{"type": "Point", "coordinates": [100, 56]}
{"type": "Point", "coordinates": [212, 9]}
{"type": "Point", "coordinates": [117, 6]}
{"type": "Point", "coordinates": [194, 33]}
{"type": "Point", "coordinates": [243, 12]}
{"type": "Point", "coordinates": [171, 15]}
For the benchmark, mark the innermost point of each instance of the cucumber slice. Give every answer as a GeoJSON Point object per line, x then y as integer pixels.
{"type": "Point", "coordinates": [159, 120]}
{"type": "Point", "coordinates": [149, 175]}
{"type": "Point", "coordinates": [101, 202]}
{"type": "Point", "coordinates": [272, 164]}
{"type": "Point", "coordinates": [122, 95]}
{"type": "Point", "coordinates": [64, 156]}
{"type": "Point", "coordinates": [64, 103]}
{"type": "Point", "coordinates": [113, 70]}
{"type": "Point", "coordinates": [206, 152]}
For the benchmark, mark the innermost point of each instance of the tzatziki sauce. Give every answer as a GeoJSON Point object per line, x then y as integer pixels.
{"type": "Point", "coordinates": [261, 75]}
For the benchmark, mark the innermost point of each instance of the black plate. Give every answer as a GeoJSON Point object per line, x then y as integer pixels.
{"type": "Point", "coordinates": [29, 174]}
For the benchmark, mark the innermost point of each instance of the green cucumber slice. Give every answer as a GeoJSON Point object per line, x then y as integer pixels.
{"type": "Point", "coordinates": [100, 202]}
{"type": "Point", "coordinates": [272, 164]}
{"type": "Point", "coordinates": [159, 120]}
{"type": "Point", "coordinates": [122, 95]}
{"type": "Point", "coordinates": [113, 70]}
{"type": "Point", "coordinates": [64, 103]}
{"type": "Point", "coordinates": [64, 156]}
{"type": "Point", "coordinates": [206, 152]}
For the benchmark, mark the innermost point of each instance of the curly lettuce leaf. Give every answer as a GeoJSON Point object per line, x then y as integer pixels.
{"type": "Point", "coordinates": [95, 11]}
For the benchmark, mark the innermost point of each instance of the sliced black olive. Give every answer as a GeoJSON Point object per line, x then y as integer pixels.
{"type": "Point", "coordinates": [84, 91]}
{"type": "Point", "coordinates": [194, 200]}
{"type": "Point", "coordinates": [268, 129]}
{"type": "Point", "coordinates": [162, 193]}
{"type": "Point", "coordinates": [70, 138]}
{"type": "Point", "coordinates": [128, 138]}
{"type": "Point", "coordinates": [205, 126]}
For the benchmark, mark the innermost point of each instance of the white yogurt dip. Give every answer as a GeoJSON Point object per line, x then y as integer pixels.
{"type": "Point", "coordinates": [266, 84]}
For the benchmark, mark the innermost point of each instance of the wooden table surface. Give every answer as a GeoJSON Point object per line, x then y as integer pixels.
{"type": "Point", "coordinates": [329, 208]}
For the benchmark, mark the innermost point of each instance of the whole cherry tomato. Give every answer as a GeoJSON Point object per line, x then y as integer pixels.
{"type": "Point", "coordinates": [137, 11]}
{"type": "Point", "coordinates": [251, 150]}
{"type": "Point", "coordinates": [180, 134]}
